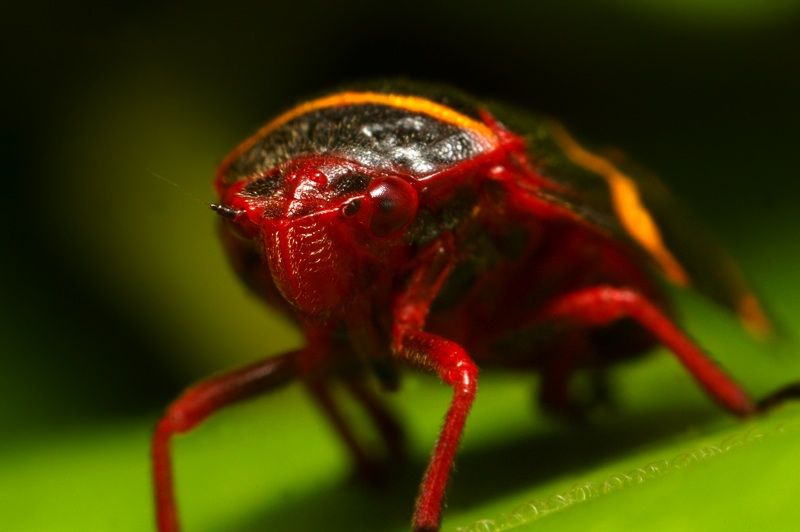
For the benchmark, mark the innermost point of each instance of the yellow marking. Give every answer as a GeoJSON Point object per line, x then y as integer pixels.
{"type": "Point", "coordinates": [753, 317]}
{"type": "Point", "coordinates": [635, 217]}
{"type": "Point", "coordinates": [414, 104]}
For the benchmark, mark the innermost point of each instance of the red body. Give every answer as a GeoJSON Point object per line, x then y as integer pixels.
{"type": "Point", "coordinates": [401, 229]}
{"type": "Point", "coordinates": [508, 261]}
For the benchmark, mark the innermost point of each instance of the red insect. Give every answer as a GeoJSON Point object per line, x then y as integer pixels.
{"type": "Point", "coordinates": [415, 226]}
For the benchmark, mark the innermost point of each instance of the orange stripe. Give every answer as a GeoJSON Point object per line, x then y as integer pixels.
{"type": "Point", "coordinates": [635, 217]}
{"type": "Point", "coordinates": [415, 104]}
{"type": "Point", "coordinates": [753, 316]}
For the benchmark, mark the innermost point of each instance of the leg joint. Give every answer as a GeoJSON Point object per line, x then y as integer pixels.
{"type": "Point", "coordinates": [599, 305]}
{"type": "Point", "coordinates": [462, 376]}
{"type": "Point", "coordinates": [192, 407]}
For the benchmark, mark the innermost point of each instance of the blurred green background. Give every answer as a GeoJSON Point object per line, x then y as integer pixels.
{"type": "Point", "coordinates": [116, 294]}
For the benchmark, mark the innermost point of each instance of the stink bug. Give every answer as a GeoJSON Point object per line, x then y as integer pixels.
{"type": "Point", "coordinates": [405, 225]}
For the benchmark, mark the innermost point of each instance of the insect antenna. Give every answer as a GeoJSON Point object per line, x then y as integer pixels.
{"type": "Point", "coordinates": [225, 211]}
{"type": "Point", "coordinates": [183, 190]}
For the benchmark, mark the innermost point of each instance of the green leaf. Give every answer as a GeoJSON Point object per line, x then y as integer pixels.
{"type": "Point", "coordinates": [666, 461]}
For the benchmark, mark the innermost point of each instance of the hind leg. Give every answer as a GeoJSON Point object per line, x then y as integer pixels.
{"type": "Point", "coordinates": [601, 305]}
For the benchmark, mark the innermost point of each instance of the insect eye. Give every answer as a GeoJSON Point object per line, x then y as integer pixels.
{"type": "Point", "coordinates": [351, 208]}
{"type": "Point", "coordinates": [394, 205]}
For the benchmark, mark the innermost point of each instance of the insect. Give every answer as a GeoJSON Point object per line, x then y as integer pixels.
{"type": "Point", "coordinates": [402, 225]}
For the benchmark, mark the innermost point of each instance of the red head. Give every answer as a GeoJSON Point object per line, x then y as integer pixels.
{"type": "Point", "coordinates": [325, 225]}
{"type": "Point", "coordinates": [328, 188]}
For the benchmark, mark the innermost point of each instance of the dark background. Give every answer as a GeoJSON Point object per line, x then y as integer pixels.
{"type": "Point", "coordinates": [115, 294]}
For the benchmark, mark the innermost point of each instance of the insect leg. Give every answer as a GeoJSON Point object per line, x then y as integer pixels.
{"type": "Point", "coordinates": [447, 359]}
{"type": "Point", "coordinates": [195, 405]}
{"type": "Point", "coordinates": [557, 373]}
{"type": "Point", "coordinates": [790, 392]}
{"type": "Point", "coordinates": [454, 366]}
{"type": "Point", "coordinates": [387, 425]}
{"type": "Point", "coordinates": [601, 305]}
{"type": "Point", "coordinates": [321, 393]}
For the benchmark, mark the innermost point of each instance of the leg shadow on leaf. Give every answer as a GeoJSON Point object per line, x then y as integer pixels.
{"type": "Point", "coordinates": [488, 472]}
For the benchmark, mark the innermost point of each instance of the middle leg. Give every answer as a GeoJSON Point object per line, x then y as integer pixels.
{"type": "Point", "coordinates": [366, 466]}
{"type": "Point", "coordinates": [388, 427]}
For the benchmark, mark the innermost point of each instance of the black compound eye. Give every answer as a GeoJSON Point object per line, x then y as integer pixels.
{"type": "Point", "coordinates": [351, 208]}
{"type": "Point", "coordinates": [394, 205]}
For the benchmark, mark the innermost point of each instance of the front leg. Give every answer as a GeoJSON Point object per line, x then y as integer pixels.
{"type": "Point", "coordinates": [199, 402]}
{"type": "Point", "coordinates": [453, 365]}
{"type": "Point", "coordinates": [445, 358]}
